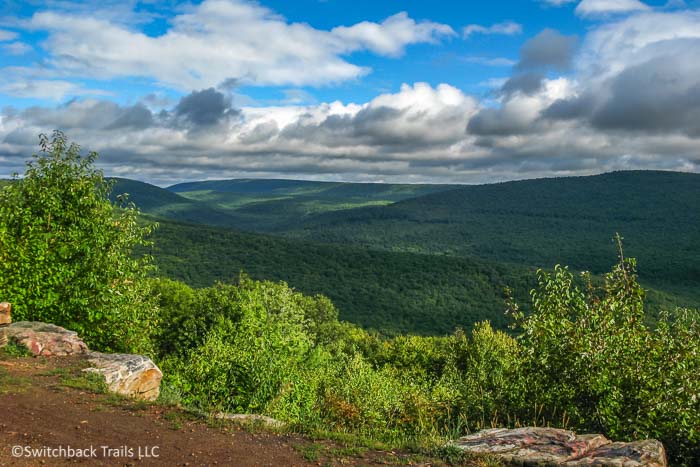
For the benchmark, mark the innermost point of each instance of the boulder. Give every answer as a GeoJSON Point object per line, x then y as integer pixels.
{"type": "Point", "coordinates": [45, 339]}
{"type": "Point", "coordinates": [5, 317]}
{"type": "Point", "coordinates": [533, 446]}
{"type": "Point", "coordinates": [649, 452]}
{"type": "Point", "coordinates": [129, 375]}
{"type": "Point", "coordinates": [5, 320]}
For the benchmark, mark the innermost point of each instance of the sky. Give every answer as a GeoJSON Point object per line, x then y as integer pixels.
{"type": "Point", "coordinates": [354, 90]}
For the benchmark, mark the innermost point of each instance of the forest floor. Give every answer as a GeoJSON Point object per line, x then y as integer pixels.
{"type": "Point", "coordinates": [48, 406]}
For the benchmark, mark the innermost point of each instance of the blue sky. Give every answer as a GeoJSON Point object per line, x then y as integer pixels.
{"type": "Point", "coordinates": [355, 90]}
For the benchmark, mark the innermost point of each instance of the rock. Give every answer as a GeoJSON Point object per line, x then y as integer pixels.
{"type": "Point", "coordinates": [45, 339]}
{"type": "Point", "coordinates": [549, 446]}
{"type": "Point", "coordinates": [5, 320]}
{"type": "Point", "coordinates": [533, 446]}
{"type": "Point", "coordinates": [249, 418]}
{"type": "Point", "coordinates": [129, 375]}
{"type": "Point", "coordinates": [5, 316]}
{"type": "Point", "coordinates": [649, 452]}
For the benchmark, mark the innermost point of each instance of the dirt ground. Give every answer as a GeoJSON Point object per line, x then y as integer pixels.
{"type": "Point", "coordinates": [44, 405]}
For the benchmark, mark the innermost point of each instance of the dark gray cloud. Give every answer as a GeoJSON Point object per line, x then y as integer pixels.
{"type": "Point", "coordinates": [382, 127]}
{"type": "Point", "coordinates": [228, 84]}
{"type": "Point", "coordinates": [204, 108]}
{"type": "Point", "coordinates": [570, 109]}
{"type": "Point", "coordinates": [549, 50]}
{"type": "Point", "coordinates": [654, 96]}
{"type": "Point", "coordinates": [527, 83]}
{"type": "Point", "coordinates": [497, 121]}
{"type": "Point", "coordinates": [137, 116]}
{"type": "Point", "coordinates": [659, 95]}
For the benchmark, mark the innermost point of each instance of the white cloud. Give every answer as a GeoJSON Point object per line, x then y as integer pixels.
{"type": "Point", "coordinates": [7, 35]}
{"type": "Point", "coordinates": [605, 7]}
{"type": "Point", "coordinates": [222, 39]}
{"type": "Point", "coordinates": [47, 89]}
{"type": "Point", "coordinates": [507, 28]}
{"type": "Point", "coordinates": [631, 101]}
{"type": "Point", "coordinates": [16, 48]}
{"type": "Point", "coordinates": [391, 36]}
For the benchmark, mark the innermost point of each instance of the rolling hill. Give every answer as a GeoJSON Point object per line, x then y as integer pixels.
{"type": "Point", "coordinates": [390, 292]}
{"type": "Point", "coordinates": [432, 262]}
{"type": "Point", "coordinates": [541, 223]}
{"type": "Point", "coordinates": [164, 204]}
{"type": "Point", "coordinates": [272, 205]}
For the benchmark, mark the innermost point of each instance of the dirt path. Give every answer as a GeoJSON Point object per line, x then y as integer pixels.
{"type": "Point", "coordinates": [44, 403]}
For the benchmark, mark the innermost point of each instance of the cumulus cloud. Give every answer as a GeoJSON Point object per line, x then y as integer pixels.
{"type": "Point", "coordinates": [218, 40]}
{"type": "Point", "coordinates": [203, 108]}
{"type": "Point", "coordinates": [391, 36]}
{"type": "Point", "coordinates": [507, 28]}
{"type": "Point", "coordinates": [606, 7]}
{"type": "Point", "coordinates": [645, 76]}
{"type": "Point", "coordinates": [624, 97]}
{"type": "Point", "coordinates": [631, 100]}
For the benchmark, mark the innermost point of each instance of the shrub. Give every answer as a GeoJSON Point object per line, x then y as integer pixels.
{"type": "Point", "coordinates": [66, 251]}
{"type": "Point", "coordinates": [590, 355]}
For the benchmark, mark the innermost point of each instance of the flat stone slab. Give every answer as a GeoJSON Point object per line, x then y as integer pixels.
{"type": "Point", "coordinates": [45, 339]}
{"type": "Point", "coordinates": [533, 446]}
{"type": "Point", "coordinates": [129, 375]}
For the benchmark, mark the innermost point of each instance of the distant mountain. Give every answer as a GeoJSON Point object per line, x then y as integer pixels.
{"type": "Point", "coordinates": [541, 223]}
{"type": "Point", "coordinates": [162, 203]}
{"type": "Point", "coordinates": [282, 187]}
{"type": "Point", "coordinates": [516, 225]}
{"type": "Point", "coordinates": [271, 205]}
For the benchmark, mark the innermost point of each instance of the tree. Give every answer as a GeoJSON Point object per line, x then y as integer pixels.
{"type": "Point", "coordinates": [66, 252]}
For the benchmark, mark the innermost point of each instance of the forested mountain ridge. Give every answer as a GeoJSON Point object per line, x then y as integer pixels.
{"type": "Point", "coordinates": [164, 204]}
{"type": "Point", "coordinates": [541, 222]}
{"type": "Point", "coordinates": [514, 227]}
{"type": "Point", "coordinates": [261, 205]}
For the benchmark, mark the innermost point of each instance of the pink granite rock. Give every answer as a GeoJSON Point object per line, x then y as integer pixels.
{"type": "Point", "coordinates": [534, 446]}
{"type": "Point", "coordinates": [649, 452]}
{"type": "Point", "coordinates": [45, 339]}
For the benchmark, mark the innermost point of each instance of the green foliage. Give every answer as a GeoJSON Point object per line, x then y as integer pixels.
{"type": "Point", "coordinates": [589, 355]}
{"type": "Point", "coordinates": [584, 359]}
{"type": "Point", "coordinates": [12, 349]}
{"type": "Point", "coordinates": [485, 371]}
{"type": "Point", "coordinates": [390, 292]}
{"type": "Point", "coordinates": [66, 251]}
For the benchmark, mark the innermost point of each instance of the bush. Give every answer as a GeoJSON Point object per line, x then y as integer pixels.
{"type": "Point", "coordinates": [66, 251]}
{"type": "Point", "coordinates": [590, 358]}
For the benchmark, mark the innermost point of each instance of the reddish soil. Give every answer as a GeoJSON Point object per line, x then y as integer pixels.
{"type": "Point", "coordinates": [38, 409]}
